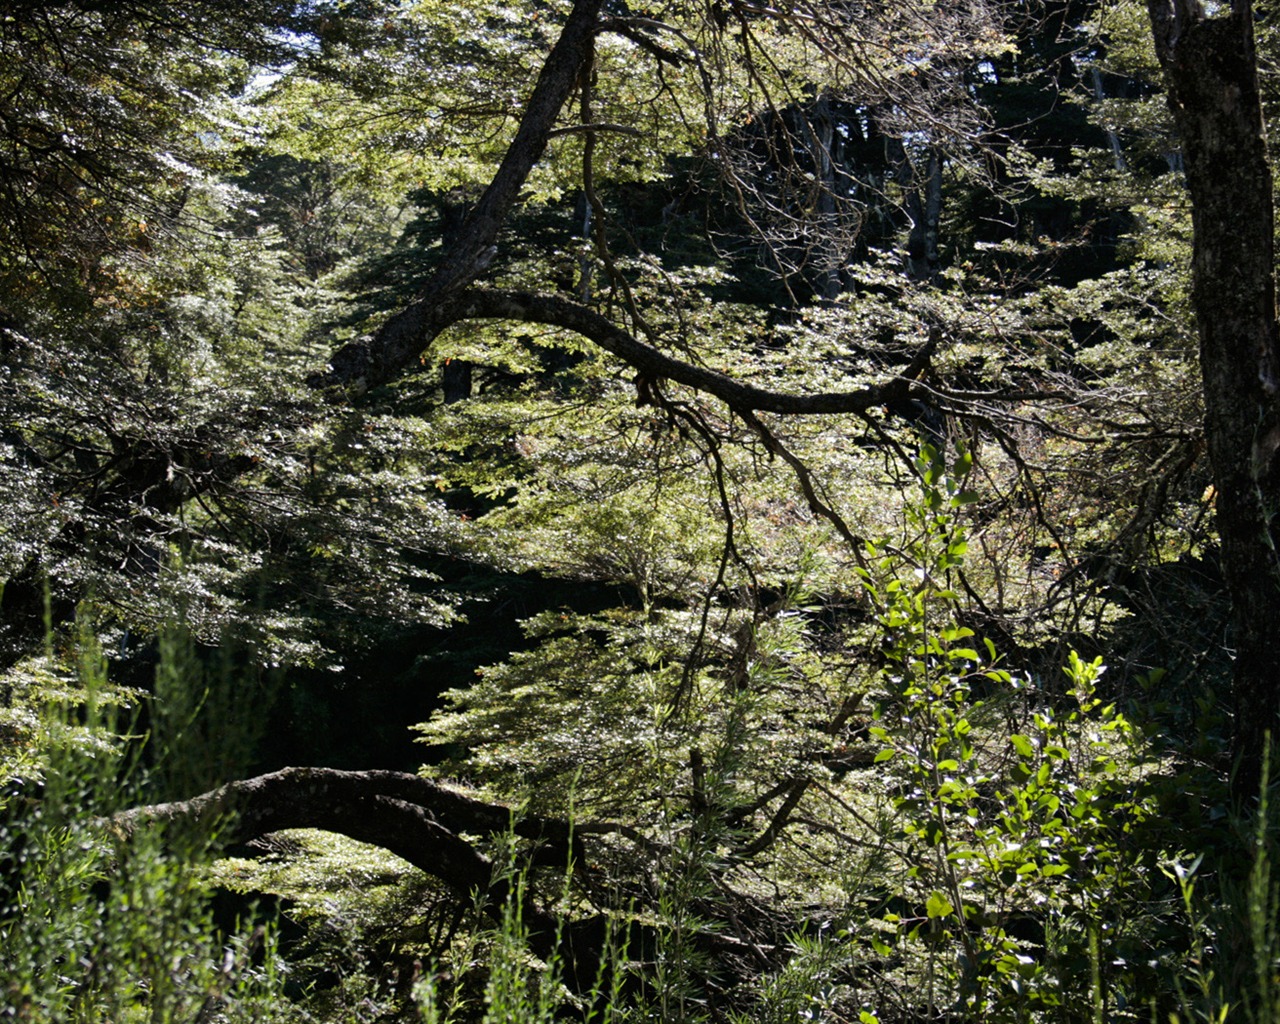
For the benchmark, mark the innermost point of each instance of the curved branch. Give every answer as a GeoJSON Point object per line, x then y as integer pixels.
{"type": "Point", "coordinates": [422, 822]}
{"type": "Point", "coordinates": [418, 820]}
{"type": "Point", "coordinates": [556, 311]}
{"type": "Point", "coordinates": [795, 792]}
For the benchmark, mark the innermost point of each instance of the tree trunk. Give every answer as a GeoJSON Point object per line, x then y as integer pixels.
{"type": "Point", "coordinates": [370, 362]}
{"type": "Point", "coordinates": [1211, 70]}
{"type": "Point", "coordinates": [923, 208]}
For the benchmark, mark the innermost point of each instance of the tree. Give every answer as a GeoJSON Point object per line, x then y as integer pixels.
{"type": "Point", "coordinates": [143, 314]}
{"type": "Point", "coordinates": [1210, 64]}
{"type": "Point", "coordinates": [619, 429]}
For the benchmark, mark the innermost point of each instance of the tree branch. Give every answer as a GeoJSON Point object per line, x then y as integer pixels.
{"type": "Point", "coordinates": [554, 310]}
{"type": "Point", "coordinates": [414, 818]}
{"type": "Point", "coordinates": [372, 361]}
{"type": "Point", "coordinates": [422, 822]}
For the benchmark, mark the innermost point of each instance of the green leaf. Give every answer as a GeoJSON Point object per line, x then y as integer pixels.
{"type": "Point", "coordinates": [1022, 745]}
{"type": "Point", "coordinates": [938, 905]}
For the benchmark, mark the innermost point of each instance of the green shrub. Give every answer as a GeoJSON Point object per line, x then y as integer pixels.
{"type": "Point", "coordinates": [98, 925]}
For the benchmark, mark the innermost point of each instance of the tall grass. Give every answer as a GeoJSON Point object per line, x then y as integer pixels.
{"type": "Point", "coordinates": [101, 926]}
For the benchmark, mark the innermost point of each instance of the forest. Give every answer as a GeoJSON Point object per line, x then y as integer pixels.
{"type": "Point", "coordinates": [638, 510]}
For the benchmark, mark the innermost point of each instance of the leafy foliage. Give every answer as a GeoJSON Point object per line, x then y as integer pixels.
{"type": "Point", "coordinates": [79, 931]}
{"type": "Point", "coordinates": [743, 653]}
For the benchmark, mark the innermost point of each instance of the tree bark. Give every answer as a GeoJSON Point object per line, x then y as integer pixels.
{"type": "Point", "coordinates": [1211, 69]}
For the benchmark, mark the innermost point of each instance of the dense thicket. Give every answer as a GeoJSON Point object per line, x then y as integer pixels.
{"type": "Point", "coordinates": [761, 451]}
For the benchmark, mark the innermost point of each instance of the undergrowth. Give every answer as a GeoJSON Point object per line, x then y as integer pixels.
{"type": "Point", "coordinates": [1045, 854]}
